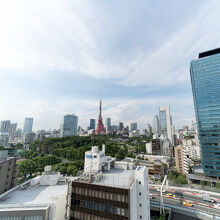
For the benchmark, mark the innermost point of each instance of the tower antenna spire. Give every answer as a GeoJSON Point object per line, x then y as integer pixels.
{"type": "Point", "coordinates": [100, 127]}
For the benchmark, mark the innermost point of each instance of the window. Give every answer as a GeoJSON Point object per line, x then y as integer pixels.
{"type": "Point", "coordinates": [139, 182]}
{"type": "Point", "coordinates": [140, 216]}
{"type": "Point", "coordinates": [140, 205]}
{"type": "Point", "coordinates": [140, 193]}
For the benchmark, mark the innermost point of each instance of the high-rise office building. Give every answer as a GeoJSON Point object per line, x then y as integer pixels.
{"type": "Point", "coordinates": [13, 128]}
{"type": "Point", "coordinates": [92, 124]}
{"type": "Point", "coordinates": [108, 124]}
{"type": "Point", "coordinates": [69, 125]}
{"type": "Point", "coordinates": [205, 78]}
{"type": "Point", "coordinates": [133, 126]}
{"type": "Point", "coordinates": [165, 122]}
{"type": "Point", "coordinates": [156, 125]}
{"type": "Point", "coordinates": [5, 126]}
{"type": "Point", "coordinates": [28, 124]}
{"type": "Point", "coordinates": [121, 126]}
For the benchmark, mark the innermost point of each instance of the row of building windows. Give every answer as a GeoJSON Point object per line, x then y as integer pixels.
{"type": "Point", "coordinates": [100, 194]}
{"type": "Point", "coordinates": [101, 207]}
{"type": "Point", "coordinates": [82, 215]}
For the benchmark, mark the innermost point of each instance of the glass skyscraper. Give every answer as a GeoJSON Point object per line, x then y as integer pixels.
{"type": "Point", "coordinates": [28, 124]}
{"type": "Point", "coordinates": [69, 126]}
{"type": "Point", "coordinates": [92, 124]}
{"type": "Point", "coordinates": [205, 78]}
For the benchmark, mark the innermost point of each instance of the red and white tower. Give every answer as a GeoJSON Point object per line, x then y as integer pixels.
{"type": "Point", "coordinates": [100, 128]}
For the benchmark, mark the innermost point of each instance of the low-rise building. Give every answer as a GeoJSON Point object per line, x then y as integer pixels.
{"type": "Point", "coordinates": [181, 160]}
{"type": "Point", "coordinates": [41, 198]}
{"type": "Point", "coordinates": [7, 171]}
{"type": "Point", "coordinates": [105, 192]}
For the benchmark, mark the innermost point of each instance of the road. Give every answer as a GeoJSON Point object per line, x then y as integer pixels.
{"type": "Point", "coordinates": [182, 195]}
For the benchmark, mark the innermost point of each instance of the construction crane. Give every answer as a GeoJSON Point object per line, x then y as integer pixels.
{"type": "Point", "coordinates": [162, 212]}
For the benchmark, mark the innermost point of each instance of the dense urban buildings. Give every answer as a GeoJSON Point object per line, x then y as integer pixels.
{"type": "Point", "coordinates": [28, 124]}
{"type": "Point", "coordinates": [7, 171]}
{"type": "Point", "coordinates": [69, 125]}
{"type": "Point", "coordinates": [205, 75]}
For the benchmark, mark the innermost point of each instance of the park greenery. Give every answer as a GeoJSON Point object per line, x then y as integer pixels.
{"type": "Point", "coordinates": [177, 178]}
{"type": "Point", "coordinates": [66, 155]}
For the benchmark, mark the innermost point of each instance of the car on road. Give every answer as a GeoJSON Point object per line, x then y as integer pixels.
{"type": "Point", "coordinates": [217, 205]}
{"type": "Point", "coordinates": [151, 182]}
{"type": "Point", "coordinates": [170, 195]}
{"type": "Point", "coordinates": [151, 196]}
{"type": "Point", "coordinates": [187, 203]}
{"type": "Point", "coordinates": [158, 190]}
{"type": "Point", "coordinates": [207, 198]}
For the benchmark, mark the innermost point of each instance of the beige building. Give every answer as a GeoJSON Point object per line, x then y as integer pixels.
{"type": "Point", "coordinates": [7, 171]}
{"type": "Point", "coordinates": [181, 160]}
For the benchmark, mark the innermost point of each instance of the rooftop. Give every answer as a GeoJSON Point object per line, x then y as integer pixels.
{"type": "Point", "coordinates": [117, 178]}
{"type": "Point", "coordinates": [34, 193]}
{"type": "Point", "coordinates": [209, 53]}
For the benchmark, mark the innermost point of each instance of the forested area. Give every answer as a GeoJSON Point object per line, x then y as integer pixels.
{"type": "Point", "coordinates": [66, 154]}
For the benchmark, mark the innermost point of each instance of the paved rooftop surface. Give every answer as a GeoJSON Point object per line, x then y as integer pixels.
{"type": "Point", "coordinates": [117, 178]}
{"type": "Point", "coordinates": [34, 195]}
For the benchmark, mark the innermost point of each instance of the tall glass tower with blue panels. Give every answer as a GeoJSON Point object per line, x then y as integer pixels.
{"type": "Point", "coordinates": [205, 79]}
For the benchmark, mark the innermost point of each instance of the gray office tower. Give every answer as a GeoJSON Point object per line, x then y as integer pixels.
{"type": "Point", "coordinates": [205, 79]}
{"type": "Point", "coordinates": [28, 124]}
{"type": "Point", "coordinates": [156, 125]}
{"type": "Point", "coordinates": [108, 124]}
{"type": "Point", "coordinates": [69, 126]}
{"type": "Point", "coordinates": [5, 126]}
{"type": "Point", "coordinates": [92, 124]}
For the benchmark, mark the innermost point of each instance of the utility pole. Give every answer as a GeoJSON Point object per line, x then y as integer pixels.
{"type": "Point", "coordinates": [162, 212]}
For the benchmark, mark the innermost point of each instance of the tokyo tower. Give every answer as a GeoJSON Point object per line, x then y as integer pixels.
{"type": "Point", "coordinates": [100, 128]}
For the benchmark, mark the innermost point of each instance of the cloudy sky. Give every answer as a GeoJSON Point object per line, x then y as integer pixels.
{"type": "Point", "coordinates": [57, 56]}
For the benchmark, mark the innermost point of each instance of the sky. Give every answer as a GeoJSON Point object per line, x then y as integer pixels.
{"type": "Point", "coordinates": [57, 56]}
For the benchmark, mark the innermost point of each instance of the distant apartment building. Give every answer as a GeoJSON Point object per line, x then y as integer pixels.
{"type": "Point", "coordinates": [7, 172]}
{"type": "Point", "coordinates": [106, 193]}
{"type": "Point", "coordinates": [4, 140]}
{"type": "Point", "coordinates": [28, 137]}
{"type": "Point", "coordinates": [108, 124]}
{"type": "Point", "coordinates": [156, 146]}
{"type": "Point", "coordinates": [28, 124]}
{"type": "Point", "coordinates": [181, 160]}
{"type": "Point", "coordinates": [92, 124]}
{"type": "Point", "coordinates": [156, 125]}
{"type": "Point", "coordinates": [133, 126]}
{"type": "Point", "coordinates": [192, 149]}
{"type": "Point", "coordinates": [165, 122]}
{"type": "Point", "coordinates": [69, 125]}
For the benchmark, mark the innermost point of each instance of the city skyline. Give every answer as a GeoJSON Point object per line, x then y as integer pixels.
{"type": "Point", "coordinates": [49, 70]}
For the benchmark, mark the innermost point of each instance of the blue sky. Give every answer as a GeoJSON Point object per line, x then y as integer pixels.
{"type": "Point", "coordinates": [57, 56]}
